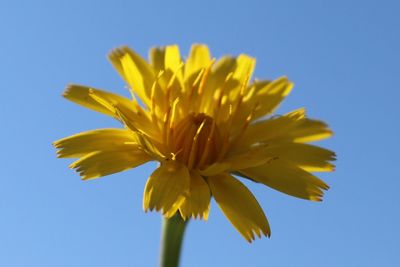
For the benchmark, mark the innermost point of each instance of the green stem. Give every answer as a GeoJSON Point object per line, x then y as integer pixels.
{"type": "Point", "coordinates": [173, 230]}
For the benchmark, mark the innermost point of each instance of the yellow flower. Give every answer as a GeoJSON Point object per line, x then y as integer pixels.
{"type": "Point", "coordinates": [204, 120]}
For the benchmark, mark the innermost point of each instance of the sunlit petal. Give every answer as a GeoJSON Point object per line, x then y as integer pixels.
{"type": "Point", "coordinates": [239, 206]}
{"type": "Point", "coordinates": [166, 188]}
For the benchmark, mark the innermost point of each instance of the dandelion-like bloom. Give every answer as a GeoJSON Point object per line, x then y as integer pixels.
{"type": "Point", "coordinates": [204, 121]}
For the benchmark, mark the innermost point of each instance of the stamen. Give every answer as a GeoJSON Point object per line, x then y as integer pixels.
{"type": "Point", "coordinates": [132, 93]}
{"type": "Point", "coordinates": [202, 85]}
{"type": "Point", "coordinates": [188, 142]}
{"type": "Point", "coordinates": [174, 112]}
{"type": "Point", "coordinates": [180, 137]}
{"type": "Point", "coordinates": [153, 103]}
{"type": "Point", "coordinates": [193, 150]}
{"type": "Point", "coordinates": [244, 85]}
{"type": "Point", "coordinates": [218, 100]}
{"type": "Point", "coordinates": [208, 145]}
{"type": "Point", "coordinates": [195, 84]}
{"type": "Point", "coordinates": [166, 129]}
{"type": "Point", "coordinates": [205, 76]}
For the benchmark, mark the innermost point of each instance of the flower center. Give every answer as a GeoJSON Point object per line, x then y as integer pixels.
{"type": "Point", "coordinates": [196, 141]}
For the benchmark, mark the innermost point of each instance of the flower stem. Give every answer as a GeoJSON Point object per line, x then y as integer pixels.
{"type": "Point", "coordinates": [173, 230]}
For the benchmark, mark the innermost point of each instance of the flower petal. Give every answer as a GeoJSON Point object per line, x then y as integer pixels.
{"type": "Point", "coordinates": [271, 95]}
{"type": "Point", "coordinates": [157, 56]}
{"type": "Point", "coordinates": [239, 206]}
{"type": "Point", "coordinates": [308, 157]}
{"type": "Point", "coordinates": [216, 80]}
{"type": "Point", "coordinates": [78, 145]}
{"type": "Point", "coordinates": [197, 202]}
{"type": "Point", "coordinates": [286, 177]}
{"type": "Point", "coordinates": [199, 58]}
{"type": "Point", "coordinates": [134, 70]}
{"type": "Point", "coordinates": [215, 168]}
{"type": "Point", "coordinates": [222, 68]}
{"type": "Point", "coordinates": [174, 70]}
{"type": "Point", "coordinates": [102, 163]}
{"type": "Point", "coordinates": [172, 59]}
{"type": "Point", "coordinates": [82, 95]}
{"type": "Point", "coordinates": [166, 188]}
{"type": "Point", "coordinates": [266, 130]}
{"type": "Point", "coordinates": [291, 127]}
{"type": "Point", "coordinates": [251, 158]}
{"type": "Point", "coordinates": [244, 67]}
{"type": "Point", "coordinates": [240, 76]}
{"type": "Point", "coordinates": [308, 131]}
{"type": "Point", "coordinates": [167, 64]}
{"type": "Point", "coordinates": [132, 115]}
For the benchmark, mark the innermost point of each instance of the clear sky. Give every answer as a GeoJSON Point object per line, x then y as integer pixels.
{"type": "Point", "coordinates": [343, 57]}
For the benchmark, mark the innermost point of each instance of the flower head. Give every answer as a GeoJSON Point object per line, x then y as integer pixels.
{"type": "Point", "coordinates": [204, 121]}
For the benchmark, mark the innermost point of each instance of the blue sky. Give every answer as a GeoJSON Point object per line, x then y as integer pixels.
{"type": "Point", "coordinates": [343, 57]}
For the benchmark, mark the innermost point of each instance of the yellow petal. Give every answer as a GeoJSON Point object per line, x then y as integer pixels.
{"type": "Point", "coordinates": [244, 67]}
{"type": "Point", "coordinates": [135, 79]}
{"type": "Point", "coordinates": [166, 188]}
{"type": "Point", "coordinates": [271, 95]}
{"type": "Point", "coordinates": [292, 127]}
{"type": "Point", "coordinates": [239, 206]}
{"type": "Point", "coordinates": [308, 130]}
{"type": "Point", "coordinates": [157, 57]}
{"type": "Point", "coordinates": [251, 158]}
{"type": "Point", "coordinates": [308, 157]}
{"type": "Point", "coordinates": [130, 114]}
{"type": "Point", "coordinates": [215, 169]}
{"type": "Point", "coordinates": [216, 80]}
{"type": "Point", "coordinates": [197, 202]}
{"type": "Point", "coordinates": [174, 71]}
{"type": "Point", "coordinates": [172, 59]}
{"type": "Point", "coordinates": [102, 163]}
{"type": "Point", "coordinates": [167, 64]}
{"type": "Point", "coordinates": [266, 130]}
{"type": "Point", "coordinates": [78, 145]}
{"type": "Point", "coordinates": [224, 67]}
{"type": "Point", "coordinates": [82, 95]}
{"type": "Point", "coordinates": [286, 177]}
{"type": "Point", "coordinates": [199, 58]}
{"type": "Point", "coordinates": [244, 70]}
{"type": "Point", "coordinates": [248, 159]}
{"type": "Point", "coordinates": [134, 70]}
